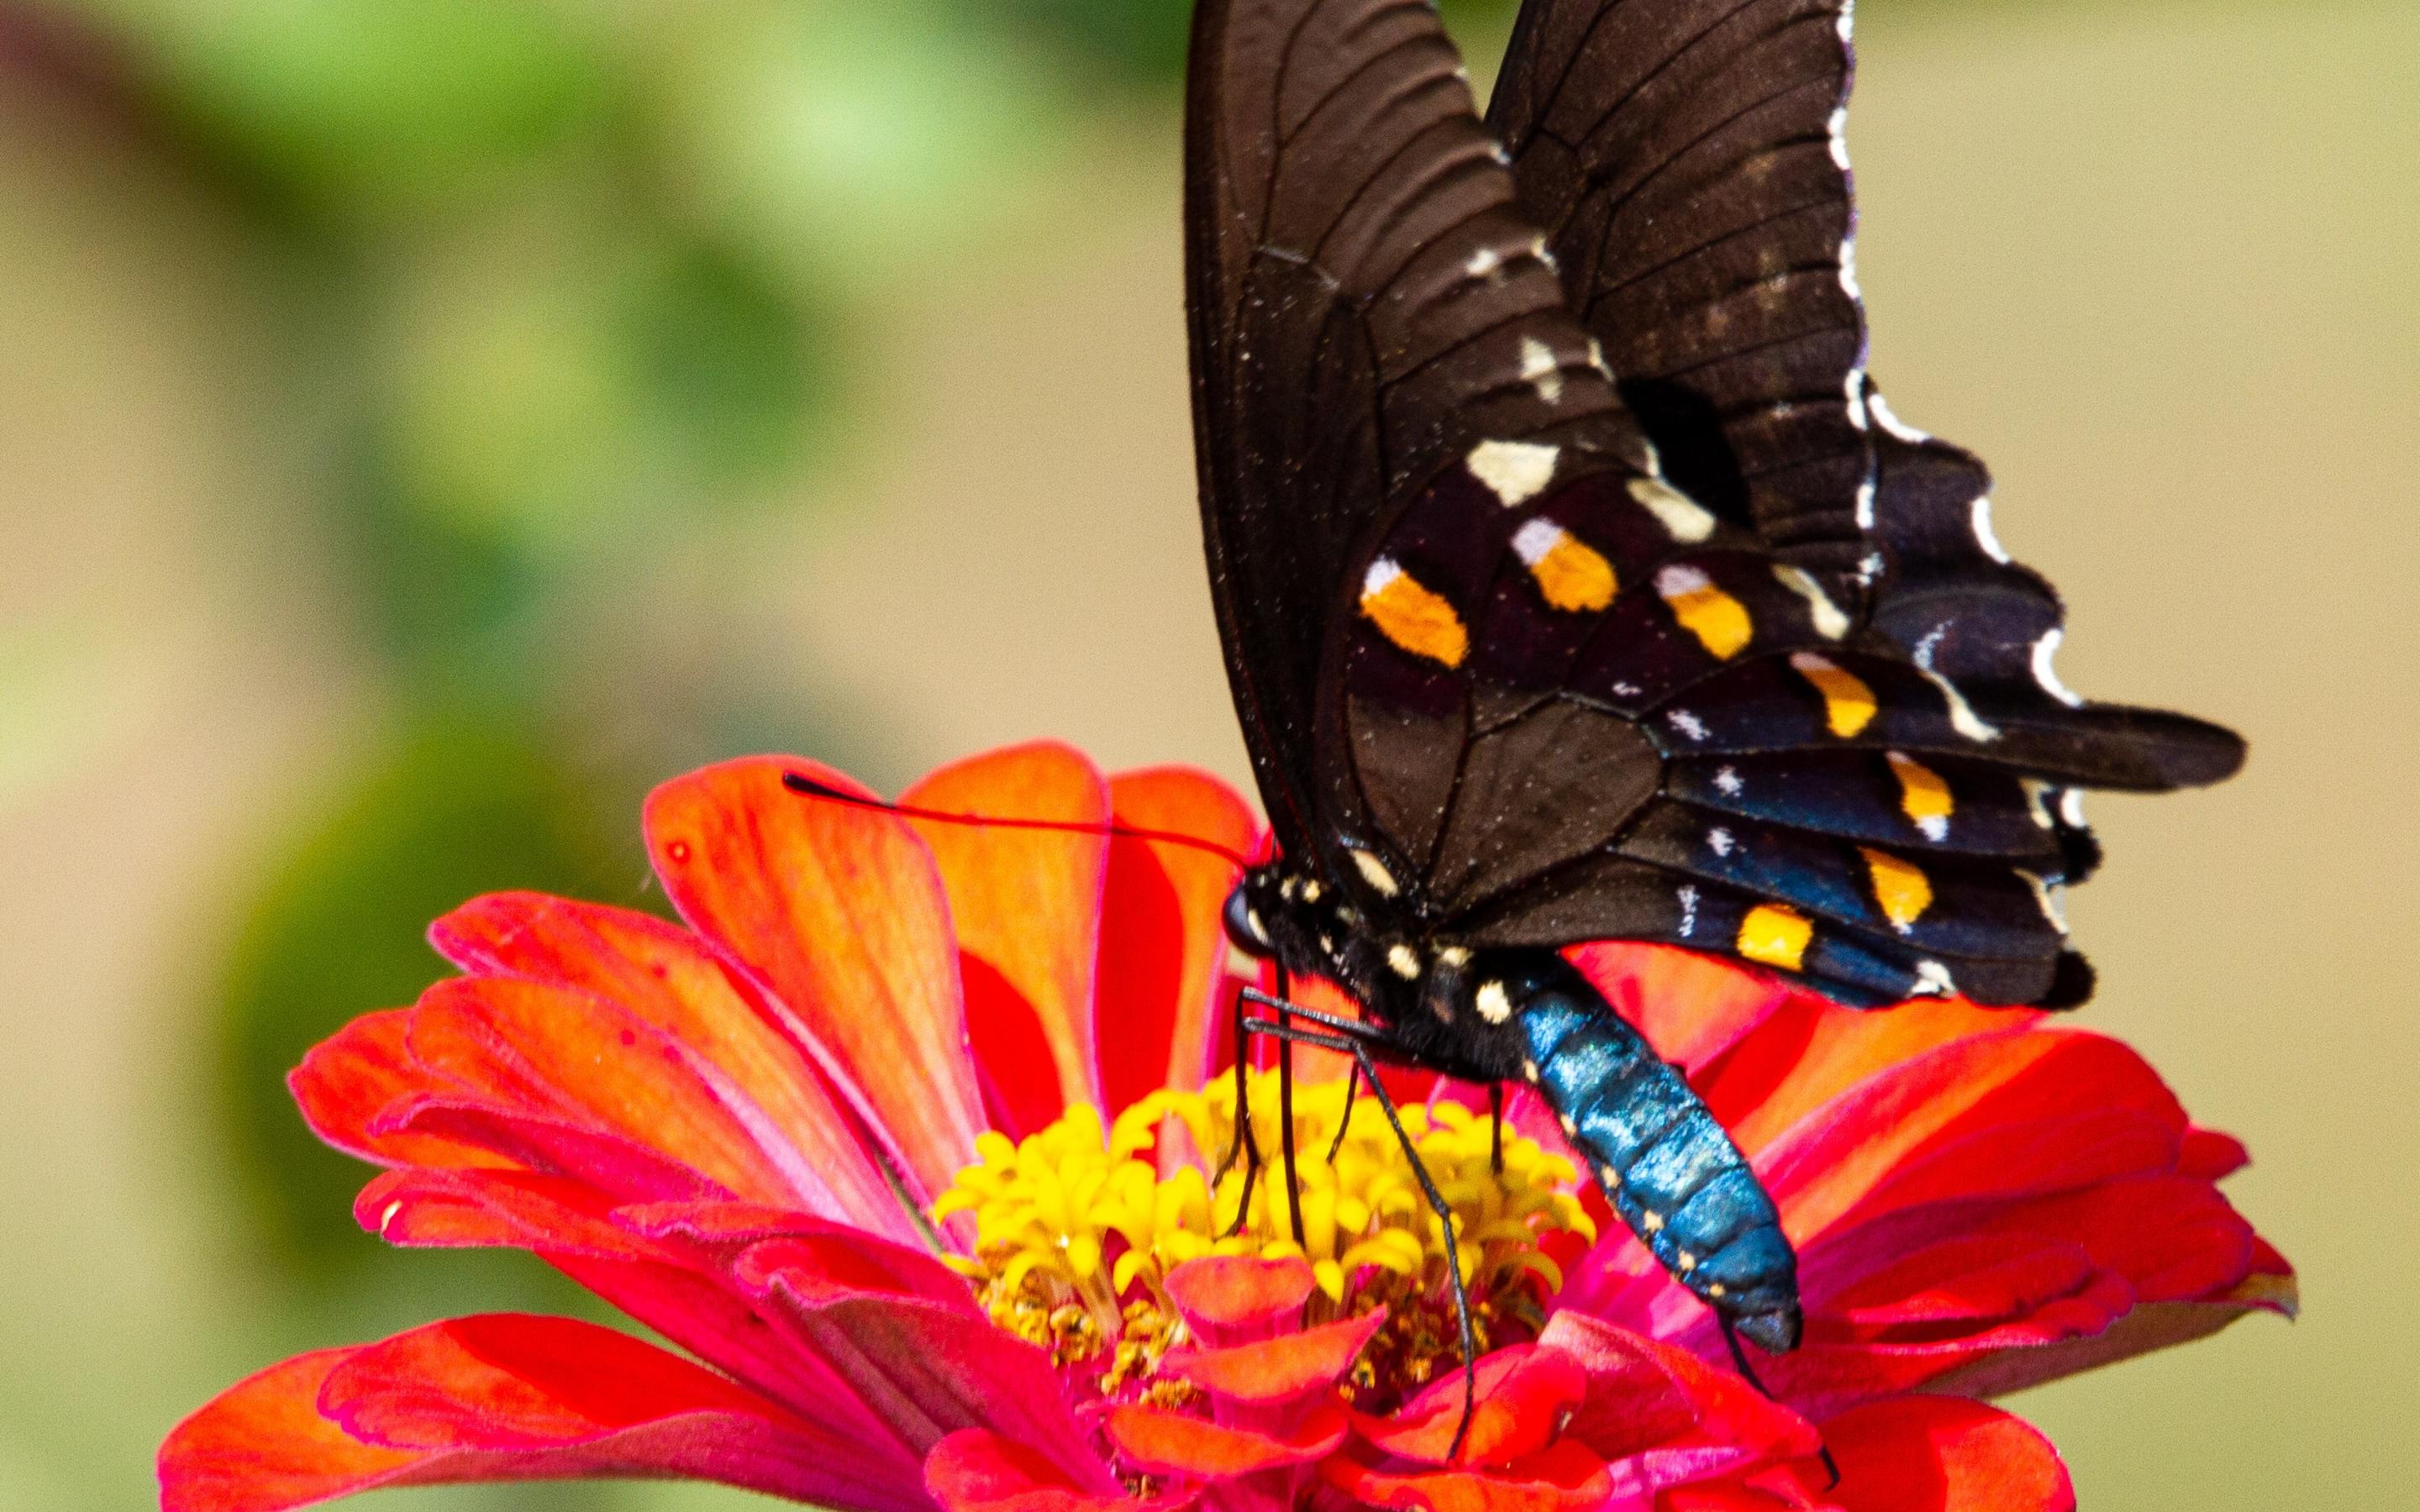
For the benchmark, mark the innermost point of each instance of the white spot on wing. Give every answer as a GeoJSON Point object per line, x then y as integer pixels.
{"type": "Point", "coordinates": [1687, 723]}
{"type": "Point", "coordinates": [1838, 130]}
{"type": "Point", "coordinates": [1853, 390]}
{"type": "Point", "coordinates": [1935, 828]}
{"type": "Point", "coordinates": [2047, 675]}
{"type": "Point", "coordinates": [1849, 269]}
{"type": "Point", "coordinates": [1688, 897]}
{"type": "Point", "coordinates": [1984, 536]}
{"type": "Point", "coordinates": [2071, 808]}
{"type": "Point", "coordinates": [1891, 422]}
{"type": "Point", "coordinates": [1866, 505]}
{"type": "Point", "coordinates": [1405, 961]}
{"type": "Point", "coordinates": [1686, 520]}
{"type": "Point", "coordinates": [1933, 979]}
{"type": "Point", "coordinates": [1494, 1004]}
{"type": "Point", "coordinates": [1516, 472]}
{"type": "Point", "coordinates": [1541, 370]}
{"type": "Point", "coordinates": [1484, 263]}
{"type": "Point", "coordinates": [1720, 840]}
{"type": "Point", "coordinates": [1680, 579]}
{"type": "Point", "coordinates": [1726, 782]}
{"type": "Point", "coordinates": [1533, 541]}
{"type": "Point", "coordinates": [1383, 570]}
{"type": "Point", "coordinates": [1963, 717]}
{"type": "Point", "coordinates": [2035, 789]}
{"type": "Point", "coordinates": [1375, 873]}
{"type": "Point", "coordinates": [1829, 622]}
{"type": "Point", "coordinates": [2047, 895]}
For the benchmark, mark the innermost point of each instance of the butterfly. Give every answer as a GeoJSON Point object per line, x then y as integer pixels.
{"type": "Point", "coordinates": [1575, 582]}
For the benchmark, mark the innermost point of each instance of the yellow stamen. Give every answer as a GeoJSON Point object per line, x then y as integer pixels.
{"type": "Point", "coordinates": [1075, 1231]}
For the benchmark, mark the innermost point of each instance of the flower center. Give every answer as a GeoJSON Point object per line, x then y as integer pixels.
{"type": "Point", "coordinates": [1076, 1226]}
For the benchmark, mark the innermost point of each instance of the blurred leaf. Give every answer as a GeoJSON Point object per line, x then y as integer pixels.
{"type": "Point", "coordinates": [854, 147]}
{"type": "Point", "coordinates": [1144, 40]}
{"type": "Point", "coordinates": [368, 104]}
{"type": "Point", "coordinates": [724, 362]}
{"type": "Point", "coordinates": [454, 808]}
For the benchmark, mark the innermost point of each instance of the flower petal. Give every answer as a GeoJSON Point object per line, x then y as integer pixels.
{"type": "Point", "coordinates": [664, 977]}
{"type": "Point", "coordinates": [1664, 1414]}
{"type": "Point", "coordinates": [1270, 1371]}
{"type": "Point", "coordinates": [834, 911]}
{"type": "Point", "coordinates": [1230, 1298]}
{"type": "Point", "coordinates": [501, 1398]}
{"type": "Point", "coordinates": [1027, 907]}
{"type": "Point", "coordinates": [1174, 1443]}
{"type": "Point", "coordinates": [1944, 1453]}
{"type": "Point", "coordinates": [1162, 941]}
{"type": "Point", "coordinates": [1563, 1478]}
{"type": "Point", "coordinates": [1521, 1395]}
{"type": "Point", "coordinates": [975, 1470]}
{"type": "Point", "coordinates": [904, 1333]}
{"type": "Point", "coordinates": [1691, 1007]}
{"type": "Point", "coordinates": [348, 1079]}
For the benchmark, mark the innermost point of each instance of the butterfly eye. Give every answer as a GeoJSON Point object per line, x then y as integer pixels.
{"type": "Point", "coordinates": [1244, 926]}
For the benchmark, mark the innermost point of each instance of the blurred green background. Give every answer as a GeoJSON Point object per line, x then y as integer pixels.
{"type": "Point", "coordinates": [423, 424]}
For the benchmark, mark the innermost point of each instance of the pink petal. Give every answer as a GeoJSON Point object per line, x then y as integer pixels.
{"type": "Point", "coordinates": [835, 913]}
{"type": "Point", "coordinates": [1564, 1478]}
{"type": "Point", "coordinates": [1520, 1396]}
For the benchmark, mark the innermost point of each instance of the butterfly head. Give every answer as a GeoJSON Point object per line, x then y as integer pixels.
{"type": "Point", "coordinates": [1312, 928]}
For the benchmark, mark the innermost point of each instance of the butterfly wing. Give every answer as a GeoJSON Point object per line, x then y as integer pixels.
{"type": "Point", "coordinates": [1686, 161]}
{"type": "Point", "coordinates": [1360, 285]}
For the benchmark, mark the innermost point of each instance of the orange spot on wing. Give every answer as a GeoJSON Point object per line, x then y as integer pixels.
{"type": "Point", "coordinates": [1902, 889]}
{"type": "Point", "coordinates": [1414, 618]}
{"type": "Point", "coordinates": [1849, 705]}
{"type": "Point", "coordinates": [1774, 935]}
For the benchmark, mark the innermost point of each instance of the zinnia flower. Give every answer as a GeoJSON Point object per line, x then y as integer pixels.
{"type": "Point", "coordinates": [911, 1141]}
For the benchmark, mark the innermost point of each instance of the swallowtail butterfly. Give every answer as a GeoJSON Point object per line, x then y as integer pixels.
{"type": "Point", "coordinates": [1575, 583]}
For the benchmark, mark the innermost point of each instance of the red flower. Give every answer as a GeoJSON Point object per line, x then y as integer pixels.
{"type": "Point", "coordinates": [714, 1129]}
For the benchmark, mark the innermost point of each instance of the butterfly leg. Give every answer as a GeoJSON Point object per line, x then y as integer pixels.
{"type": "Point", "coordinates": [1285, 1110]}
{"type": "Point", "coordinates": [1344, 1124]}
{"type": "Point", "coordinates": [1357, 1045]}
{"type": "Point", "coordinates": [1245, 1143]}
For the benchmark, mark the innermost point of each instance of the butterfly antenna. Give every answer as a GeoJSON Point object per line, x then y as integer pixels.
{"type": "Point", "coordinates": [806, 786]}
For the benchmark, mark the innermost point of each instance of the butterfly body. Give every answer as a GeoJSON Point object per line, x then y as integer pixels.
{"type": "Point", "coordinates": [1525, 1015]}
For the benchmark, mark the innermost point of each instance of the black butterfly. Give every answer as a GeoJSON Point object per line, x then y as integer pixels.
{"type": "Point", "coordinates": [1577, 584]}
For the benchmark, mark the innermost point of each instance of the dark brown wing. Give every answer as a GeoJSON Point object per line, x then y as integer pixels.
{"type": "Point", "coordinates": [1686, 158]}
{"type": "Point", "coordinates": [1366, 304]}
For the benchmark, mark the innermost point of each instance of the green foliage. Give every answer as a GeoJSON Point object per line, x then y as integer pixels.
{"type": "Point", "coordinates": [453, 808]}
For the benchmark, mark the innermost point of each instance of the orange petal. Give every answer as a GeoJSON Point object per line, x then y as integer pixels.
{"type": "Point", "coordinates": [975, 1470]}
{"type": "Point", "coordinates": [1228, 1292]}
{"type": "Point", "coordinates": [1163, 945]}
{"type": "Point", "coordinates": [1027, 904]}
{"type": "Point", "coordinates": [1279, 1369]}
{"type": "Point", "coordinates": [836, 914]}
{"type": "Point", "coordinates": [1150, 1438]}
{"type": "Point", "coordinates": [1691, 1005]}
{"type": "Point", "coordinates": [663, 976]}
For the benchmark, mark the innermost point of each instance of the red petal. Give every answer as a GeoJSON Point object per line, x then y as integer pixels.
{"type": "Point", "coordinates": [1943, 1453]}
{"type": "Point", "coordinates": [904, 1333]}
{"type": "Point", "coordinates": [2211, 1155]}
{"type": "Point", "coordinates": [1665, 1411]}
{"type": "Point", "coordinates": [835, 912]}
{"type": "Point", "coordinates": [1162, 938]}
{"type": "Point", "coordinates": [1027, 904]}
{"type": "Point", "coordinates": [1564, 1478]}
{"type": "Point", "coordinates": [1521, 1395]}
{"type": "Point", "coordinates": [1172, 1443]}
{"type": "Point", "coordinates": [1279, 1369]}
{"type": "Point", "coordinates": [978, 1470]}
{"type": "Point", "coordinates": [1692, 1007]}
{"type": "Point", "coordinates": [1808, 1053]}
{"type": "Point", "coordinates": [666, 977]}
{"type": "Point", "coordinates": [501, 1398]}
{"type": "Point", "coordinates": [351, 1077]}
{"type": "Point", "coordinates": [1226, 1296]}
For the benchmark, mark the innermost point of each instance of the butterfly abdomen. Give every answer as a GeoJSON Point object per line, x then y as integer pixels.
{"type": "Point", "coordinates": [1664, 1162]}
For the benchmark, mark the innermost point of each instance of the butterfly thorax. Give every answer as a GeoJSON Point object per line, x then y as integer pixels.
{"type": "Point", "coordinates": [1441, 1002]}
